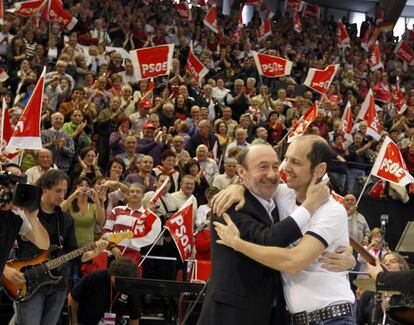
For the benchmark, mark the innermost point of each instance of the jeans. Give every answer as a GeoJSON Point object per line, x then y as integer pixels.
{"type": "Point", "coordinates": [43, 308]}
{"type": "Point", "coordinates": [343, 320]}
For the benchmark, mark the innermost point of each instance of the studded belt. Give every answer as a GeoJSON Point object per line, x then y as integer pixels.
{"type": "Point", "coordinates": [324, 314]}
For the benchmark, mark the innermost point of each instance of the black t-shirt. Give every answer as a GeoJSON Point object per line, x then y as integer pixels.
{"type": "Point", "coordinates": [61, 229]}
{"type": "Point", "coordinates": [10, 224]}
{"type": "Point", "coordinates": [93, 295]}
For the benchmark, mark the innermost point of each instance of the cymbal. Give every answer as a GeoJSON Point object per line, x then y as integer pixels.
{"type": "Point", "coordinates": [369, 284]}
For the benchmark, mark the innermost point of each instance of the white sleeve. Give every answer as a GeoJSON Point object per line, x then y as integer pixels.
{"type": "Point", "coordinates": [329, 223]}
{"type": "Point", "coordinates": [26, 226]}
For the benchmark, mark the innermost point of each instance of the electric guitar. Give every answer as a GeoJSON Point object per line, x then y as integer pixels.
{"type": "Point", "coordinates": [400, 307]}
{"type": "Point", "coordinates": [37, 273]}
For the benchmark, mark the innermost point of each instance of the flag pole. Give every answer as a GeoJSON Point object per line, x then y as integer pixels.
{"type": "Point", "coordinates": [152, 246]}
{"type": "Point", "coordinates": [363, 189]}
{"type": "Point", "coordinates": [3, 113]}
{"type": "Point", "coordinates": [21, 157]}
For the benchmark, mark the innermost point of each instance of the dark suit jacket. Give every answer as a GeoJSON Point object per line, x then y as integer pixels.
{"type": "Point", "coordinates": [196, 140]}
{"type": "Point", "coordinates": [241, 291]}
{"type": "Point", "coordinates": [396, 281]}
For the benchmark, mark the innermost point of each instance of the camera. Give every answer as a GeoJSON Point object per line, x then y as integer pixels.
{"type": "Point", "coordinates": [14, 190]}
{"type": "Point", "coordinates": [88, 192]}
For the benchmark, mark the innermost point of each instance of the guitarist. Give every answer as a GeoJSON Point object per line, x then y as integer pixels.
{"type": "Point", "coordinates": [45, 306]}
{"type": "Point", "coordinates": [12, 224]}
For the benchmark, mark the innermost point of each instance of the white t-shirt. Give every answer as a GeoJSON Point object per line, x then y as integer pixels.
{"type": "Point", "coordinates": [314, 287]}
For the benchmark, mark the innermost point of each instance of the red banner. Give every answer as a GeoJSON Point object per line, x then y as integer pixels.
{"type": "Point", "coordinates": [51, 10]}
{"type": "Point", "coordinates": [300, 127]}
{"type": "Point", "coordinates": [347, 123]}
{"type": "Point", "coordinates": [271, 66]}
{"type": "Point", "coordinates": [195, 68]}
{"type": "Point", "coordinates": [297, 25]}
{"type": "Point", "coordinates": [398, 100]}
{"type": "Point", "coordinates": [368, 113]}
{"type": "Point", "coordinates": [180, 226]}
{"type": "Point", "coordinates": [153, 61]}
{"type": "Point", "coordinates": [390, 164]}
{"type": "Point", "coordinates": [404, 51]}
{"type": "Point", "coordinates": [311, 11]}
{"type": "Point", "coordinates": [293, 4]}
{"type": "Point", "coordinates": [210, 19]}
{"type": "Point", "coordinates": [342, 37]}
{"type": "Point", "coordinates": [183, 10]}
{"type": "Point", "coordinates": [264, 30]}
{"type": "Point", "coordinates": [320, 80]}
{"type": "Point", "coordinates": [375, 59]}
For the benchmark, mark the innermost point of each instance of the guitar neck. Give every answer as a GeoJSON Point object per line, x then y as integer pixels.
{"type": "Point", "coordinates": [61, 260]}
{"type": "Point", "coordinates": [361, 250]}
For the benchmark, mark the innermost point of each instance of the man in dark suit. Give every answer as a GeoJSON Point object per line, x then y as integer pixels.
{"type": "Point", "coordinates": [241, 291]}
{"type": "Point", "coordinates": [202, 136]}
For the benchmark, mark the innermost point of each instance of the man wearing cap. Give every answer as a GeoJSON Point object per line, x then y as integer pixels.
{"type": "Point", "coordinates": [139, 118]}
{"type": "Point", "coordinates": [152, 144]}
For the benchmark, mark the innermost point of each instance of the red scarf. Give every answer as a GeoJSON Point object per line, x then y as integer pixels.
{"type": "Point", "coordinates": [169, 173]}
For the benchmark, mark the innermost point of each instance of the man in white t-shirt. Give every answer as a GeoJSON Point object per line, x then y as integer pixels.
{"type": "Point", "coordinates": [312, 293]}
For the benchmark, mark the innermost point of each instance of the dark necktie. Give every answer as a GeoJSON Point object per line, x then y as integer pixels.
{"type": "Point", "coordinates": [275, 215]}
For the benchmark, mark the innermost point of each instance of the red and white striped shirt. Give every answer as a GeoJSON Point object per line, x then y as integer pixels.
{"type": "Point", "coordinates": [143, 223]}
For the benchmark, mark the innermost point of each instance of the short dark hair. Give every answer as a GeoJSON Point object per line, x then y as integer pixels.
{"type": "Point", "coordinates": [320, 152]}
{"type": "Point", "coordinates": [167, 153]}
{"type": "Point", "coordinates": [51, 178]}
{"type": "Point", "coordinates": [123, 266]}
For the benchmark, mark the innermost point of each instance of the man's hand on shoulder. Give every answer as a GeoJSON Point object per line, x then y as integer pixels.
{"type": "Point", "coordinates": [222, 201]}
{"type": "Point", "coordinates": [316, 195]}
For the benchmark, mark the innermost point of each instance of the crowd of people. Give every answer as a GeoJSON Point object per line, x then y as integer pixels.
{"type": "Point", "coordinates": [118, 138]}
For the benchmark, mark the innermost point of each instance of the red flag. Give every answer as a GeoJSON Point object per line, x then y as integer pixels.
{"type": "Point", "coordinates": [264, 30]}
{"type": "Point", "coordinates": [404, 51]}
{"type": "Point", "coordinates": [271, 66]}
{"type": "Point", "coordinates": [210, 19]}
{"type": "Point", "coordinates": [375, 60]}
{"type": "Point", "coordinates": [377, 191]}
{"type": "Point", "coordinates": [6, 131]}
{"type": "Point", "coordinates": [201, 3]}
{"type": "Point", "coordinates": [368, 41]}
{"type": "Point", "coordinates": [311, 11]}
{"type": "Point", "coordinates": [1, 12]}
{"type": "Point", "coordinates": [297, 25]}
{"type": "Point", "coordinates": [397, 99]}
{"type": "Point", "coordinates": [183, 10]}
{"type": "Point", "coordinates": [390, 164]}
{"type": "Point", "coordinates": [153, 61]}
{"type": "Point", "coordinates": [293, 4]}
{"type": "Point", "coordinates": [337, 197]}
{"type": "Point", "coordinates": [320, 80]}
{"type": "Point", "coordinates": [51, 10]}
{"type": "Point", "coordinates": [409, 35]}
{"type": "Point", "coordinates": [57, 13]}
{"type": "Point", "coordinates": [347, 123]}
{"type": "Point", "coordinates": [302, 124]}
{"type": "Point", "coordinates": [146, 229]}
{"type": "Point", "coordinates": [27, 134]}
{"type": "Point", "coordinates": [342, 37]}
{"type": "Point", "coordinates": [195, 68]}
{"type": "Point", "coordinates": [368, 113]}
{"type": "Point", "coordinates": [180, 226]}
